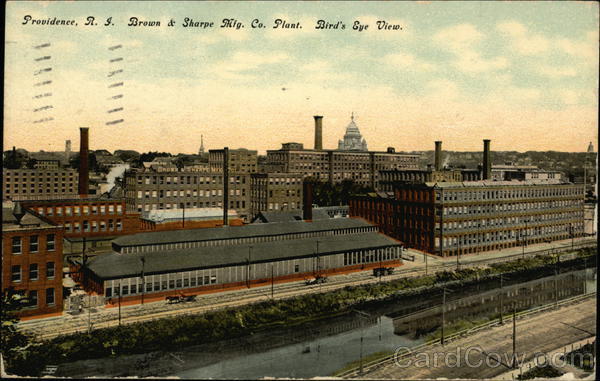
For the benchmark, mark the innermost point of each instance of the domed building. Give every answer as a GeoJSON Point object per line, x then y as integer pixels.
{"type": "Point", "coordinates": [353, 140]}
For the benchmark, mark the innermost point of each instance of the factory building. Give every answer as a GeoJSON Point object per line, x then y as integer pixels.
{"type": "Point", "coordinates": [32, 259]}
{"type": "Point", "coordinates": [39, 184]}
{"type": "Point", "coordinates": [336, 165]}
{"type": "Point", "coordinates": [275, 192]}
{"type": "Point", "coordinates": [239, 160]}
{"type": "Point", "coordinates": [212, 260]}
{"type": "Point", "coordinates": [449, 218]}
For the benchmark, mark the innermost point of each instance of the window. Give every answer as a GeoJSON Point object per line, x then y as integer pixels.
{"type": "Point", "coordinates": [49, 296]}
{"type": "Point", "coordinates": [50, 270]}
{"type": "Point", "coordinates": [125, 290]}
{"type": "Point", "coordinates": [213, 279]}
{"type": "Point", "coordinates": [50, 242]}
{"type": "Point", "coordinates": [296, 268]}
{"type": "Point", "coordinates": [16, 245]}
{"type": "Point", "coordinates": [16, 273]}
{"type": "Point", "coordinates": [108, 292]}
{"type": "Point", "coordinates": [171, 283]}
{"type": "Point", "coordinates": [33, 244]}
{"type": "Point", "coordinates": [33, 271]}
{"type": "Point", "coordinates": [33, 298]}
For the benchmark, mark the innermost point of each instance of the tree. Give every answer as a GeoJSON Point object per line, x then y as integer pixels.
{"type": "Point", "coordinates": [12, 340]}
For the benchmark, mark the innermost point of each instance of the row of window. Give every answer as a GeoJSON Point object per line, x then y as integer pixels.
{"type": "Point", "coordinates": [190, 180]}
{"type": "Point", "coordinates": [94, 226]}
{"type": "Point", "coordinates": [529, 206]}
{"type": "Point", "coordinates": [34, 243]}
{"type": "Point", "coordinates": [511, 220]}
{"type": "Point", "coordinates": [524, 192]}
{"type": "Point", "coordinates": [34, 273]}
{"type": "Point", "coordinates": [189, 193]}
{"type": "Point", "coordinates": [48, 190]}
{"type": "Point", "coordinates": [80, 210]}
{"type": "Point", "coordinates": [214, 204]}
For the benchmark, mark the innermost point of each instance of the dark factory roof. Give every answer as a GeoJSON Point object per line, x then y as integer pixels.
{"type": "Point", "coordinates": [252, 230]}
{"type": "Point", "coordinates": [117, 265]}
{"type": "Point", "coordinates": [267, 217]}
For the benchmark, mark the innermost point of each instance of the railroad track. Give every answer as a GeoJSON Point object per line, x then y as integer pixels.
{"type": "Point", "coordinates": [217, 301]}
{"type": "Point", "coordinates": [389, 360]}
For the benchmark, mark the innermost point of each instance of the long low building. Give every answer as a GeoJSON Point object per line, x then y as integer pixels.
{"type": "Point", "coordinates": [215, 268]}
{"type": "Point", "coordinates": [254, 233]}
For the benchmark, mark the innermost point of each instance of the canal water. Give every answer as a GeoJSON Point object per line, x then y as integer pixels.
{"type": "Point", "coordinates": [332, 344]}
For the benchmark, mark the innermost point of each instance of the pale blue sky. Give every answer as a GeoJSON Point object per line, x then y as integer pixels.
{"type": "Point", "coordinates": [458, 71]}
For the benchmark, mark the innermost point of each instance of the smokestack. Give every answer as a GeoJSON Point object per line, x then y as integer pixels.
{"type": "Point", "coordinates": [307, 199]}
{"type": "Point", "coordinates": [487, 161]}
{"type": "Point", "coordinates": [318, 132]}
{"type": "Point", "coordinates": [83, 161]}
{"type": "Point", "coordinates": [67, 151]}
{"type": "Point", "coordinates": [438, 156]}
{"type": "Point", "coordinates": [225, 185]}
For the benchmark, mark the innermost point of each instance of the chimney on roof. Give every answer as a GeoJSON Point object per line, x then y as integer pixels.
{"type": "Point", "coordinates": [225, 185]}
{"type": "Point", "coordinates": [83, 161]}
{"type": "Point", "coordinates": [18, 211]}
{"type": "Point", "coordinates": [318, 132]}
{"type": "Point", "coordinates": [307, 199]}
{"type": "Point", "coordinates": [487, 161]}
{"type": "Point", "coordinates": [438, 156]}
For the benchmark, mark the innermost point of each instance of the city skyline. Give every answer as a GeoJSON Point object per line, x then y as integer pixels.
{"type": "Point", "coordinates": [457, 72]}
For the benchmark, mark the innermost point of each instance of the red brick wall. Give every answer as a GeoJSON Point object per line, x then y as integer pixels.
{"type": "Point", "coordinates": [41, 257]}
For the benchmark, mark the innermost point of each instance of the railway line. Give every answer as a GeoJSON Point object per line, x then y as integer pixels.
{"type": "Point", "coordinates": [109, 317]}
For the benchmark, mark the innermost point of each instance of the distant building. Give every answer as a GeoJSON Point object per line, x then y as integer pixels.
{"type": "Point", "coordinates": [353, 140]}
{"type": "Point", "coordinates": [32, 260]}
{"type": "Point", "coordinates": [275, 192]}
{"type": "Point", "coordinates": [590, 147]}
{"type": "Point", "coordinates": [335, 166]}
{"type": "Point", "coordinates": [241, 160]}
{"type": "Point", "coordinates": [46, 164]}
{"type": "Point", "coordinates": [39, 184]}
{"type": "Point", "coordinates": [193, 218]}
{"type": "Point", "coordinates": [510, 171]}
{"type": "Point", "coordinates": [201, 150]}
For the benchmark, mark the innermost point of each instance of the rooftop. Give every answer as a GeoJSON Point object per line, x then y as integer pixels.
{"type": "Point", "coordinates": [116, 265]}
{"type": "Point", "coordinates": [227, 232]}
{"type": "Point", "coordinates": [160, 215]}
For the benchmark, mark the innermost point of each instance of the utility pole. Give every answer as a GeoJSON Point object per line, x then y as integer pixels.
{"type": "Point", "coordinates": [584, 275]}
{"type": "Point", "coordinates": [119, 291]}
{"type": "Point", "coordinates": [458, 255]}
{"type": "Point", "coordinates": [183, 215]}
{"type": "Point", "coordinates": [525, 241]}
{"type": "Point", "coordinates": [248, 267]}
{"type": "Point", "coordinates": [143, 278]}
{"type": "Point", "coordinates": [514, 343]}
{"type": "Point", "coordinates": [425, 256]}
{"type": "Point", "coordinates": [443, 315]}
{"type": "Point", "coordinates": [556, 283]}
{"type": "Point", "coordinates": [272, 282]}
{"type": "Point", "coordinates": [501, 301]}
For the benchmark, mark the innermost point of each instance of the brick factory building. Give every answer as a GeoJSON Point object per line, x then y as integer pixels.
{"type": "Point", "coordinates": [446, 218]}
{"type": "Point", "coordinates": [39, 184]}
{"type": "Point", "coordinates": [240, 160]}
{"type": "Point", "coordinates": [275, 192]}
{"type": "Point", "coordinates": [32, 260]}
{"type": "Point", "coordinates": [336, 165]}
{"type": "Point", "coordinates": [212, 260]}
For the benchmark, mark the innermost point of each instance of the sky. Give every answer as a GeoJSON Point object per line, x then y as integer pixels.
{"type": "Point", "coordinates": [523, 74]}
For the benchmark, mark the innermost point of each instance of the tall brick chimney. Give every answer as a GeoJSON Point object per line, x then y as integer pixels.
{"type": "Point", "coordinates": [487, 160]}
{"type": "Point", "coordinates": [84, 148]}
{"type": "Point", "coordinates": [318, 132]}
{"type": "Point", "coordinates": [307, 200]}
{"type": "Point", "coordinates": [438, 156]}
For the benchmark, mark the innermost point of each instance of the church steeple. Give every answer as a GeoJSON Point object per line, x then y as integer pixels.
{"type": "Point", "coordinates": [201, 151]}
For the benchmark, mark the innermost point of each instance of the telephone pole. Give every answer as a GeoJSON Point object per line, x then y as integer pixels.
{"type": "Point", "coordinates": [443, 315]}
{"type": "Point", "coordinates": [501, 301]}
{"type": "Point", "coordinates": [514, 343]}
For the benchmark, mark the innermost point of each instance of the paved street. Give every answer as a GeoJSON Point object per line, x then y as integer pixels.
{"type": "Point", "coordinates": [542, 332]}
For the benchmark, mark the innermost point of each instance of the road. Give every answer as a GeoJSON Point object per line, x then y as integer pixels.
{"type": "Point", "coordinates": [105, 317]}
{"type": "Point", "coordinates": [542, 332]}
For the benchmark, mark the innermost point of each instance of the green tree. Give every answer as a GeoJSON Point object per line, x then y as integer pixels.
{"type": "Point", "coordinates": [12, 340]}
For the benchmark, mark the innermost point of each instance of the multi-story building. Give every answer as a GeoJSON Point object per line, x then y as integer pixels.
{"type": "Point", "coordinates": [275, 192]}
{"type": "Point", "coordinates": [335, 166]}
{"type": "Point", "coordinates": [150, 189]}
{"type": "Point", "coordinates": [510, 171]}
{"type": "Point", "coordinates": [39, 184]}
{"type": "Point", "coordinates": [88, 217]}
{"type": "Point", "coordinates": [240, 160]}
{"type": "Point", "coordinates": [447, 218]}
{"type": "Point", "coordinates": [353, 140]}
{"type": "Point", "coordinates": [32, 260]}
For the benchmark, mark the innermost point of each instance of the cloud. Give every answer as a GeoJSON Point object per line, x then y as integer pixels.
{"type": "Point", "coordinates": [557, 72]}
{"type": "Point", "coordinates": [237, 66]}
{"type": "Point", "coordinates": [459, 37]}
{"type": "Point", "coordinates": [462, 40]}
{"type": "Point", "coordinates": [522, 41]}
{"type": "Point", "coordinates": [407, 61]}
